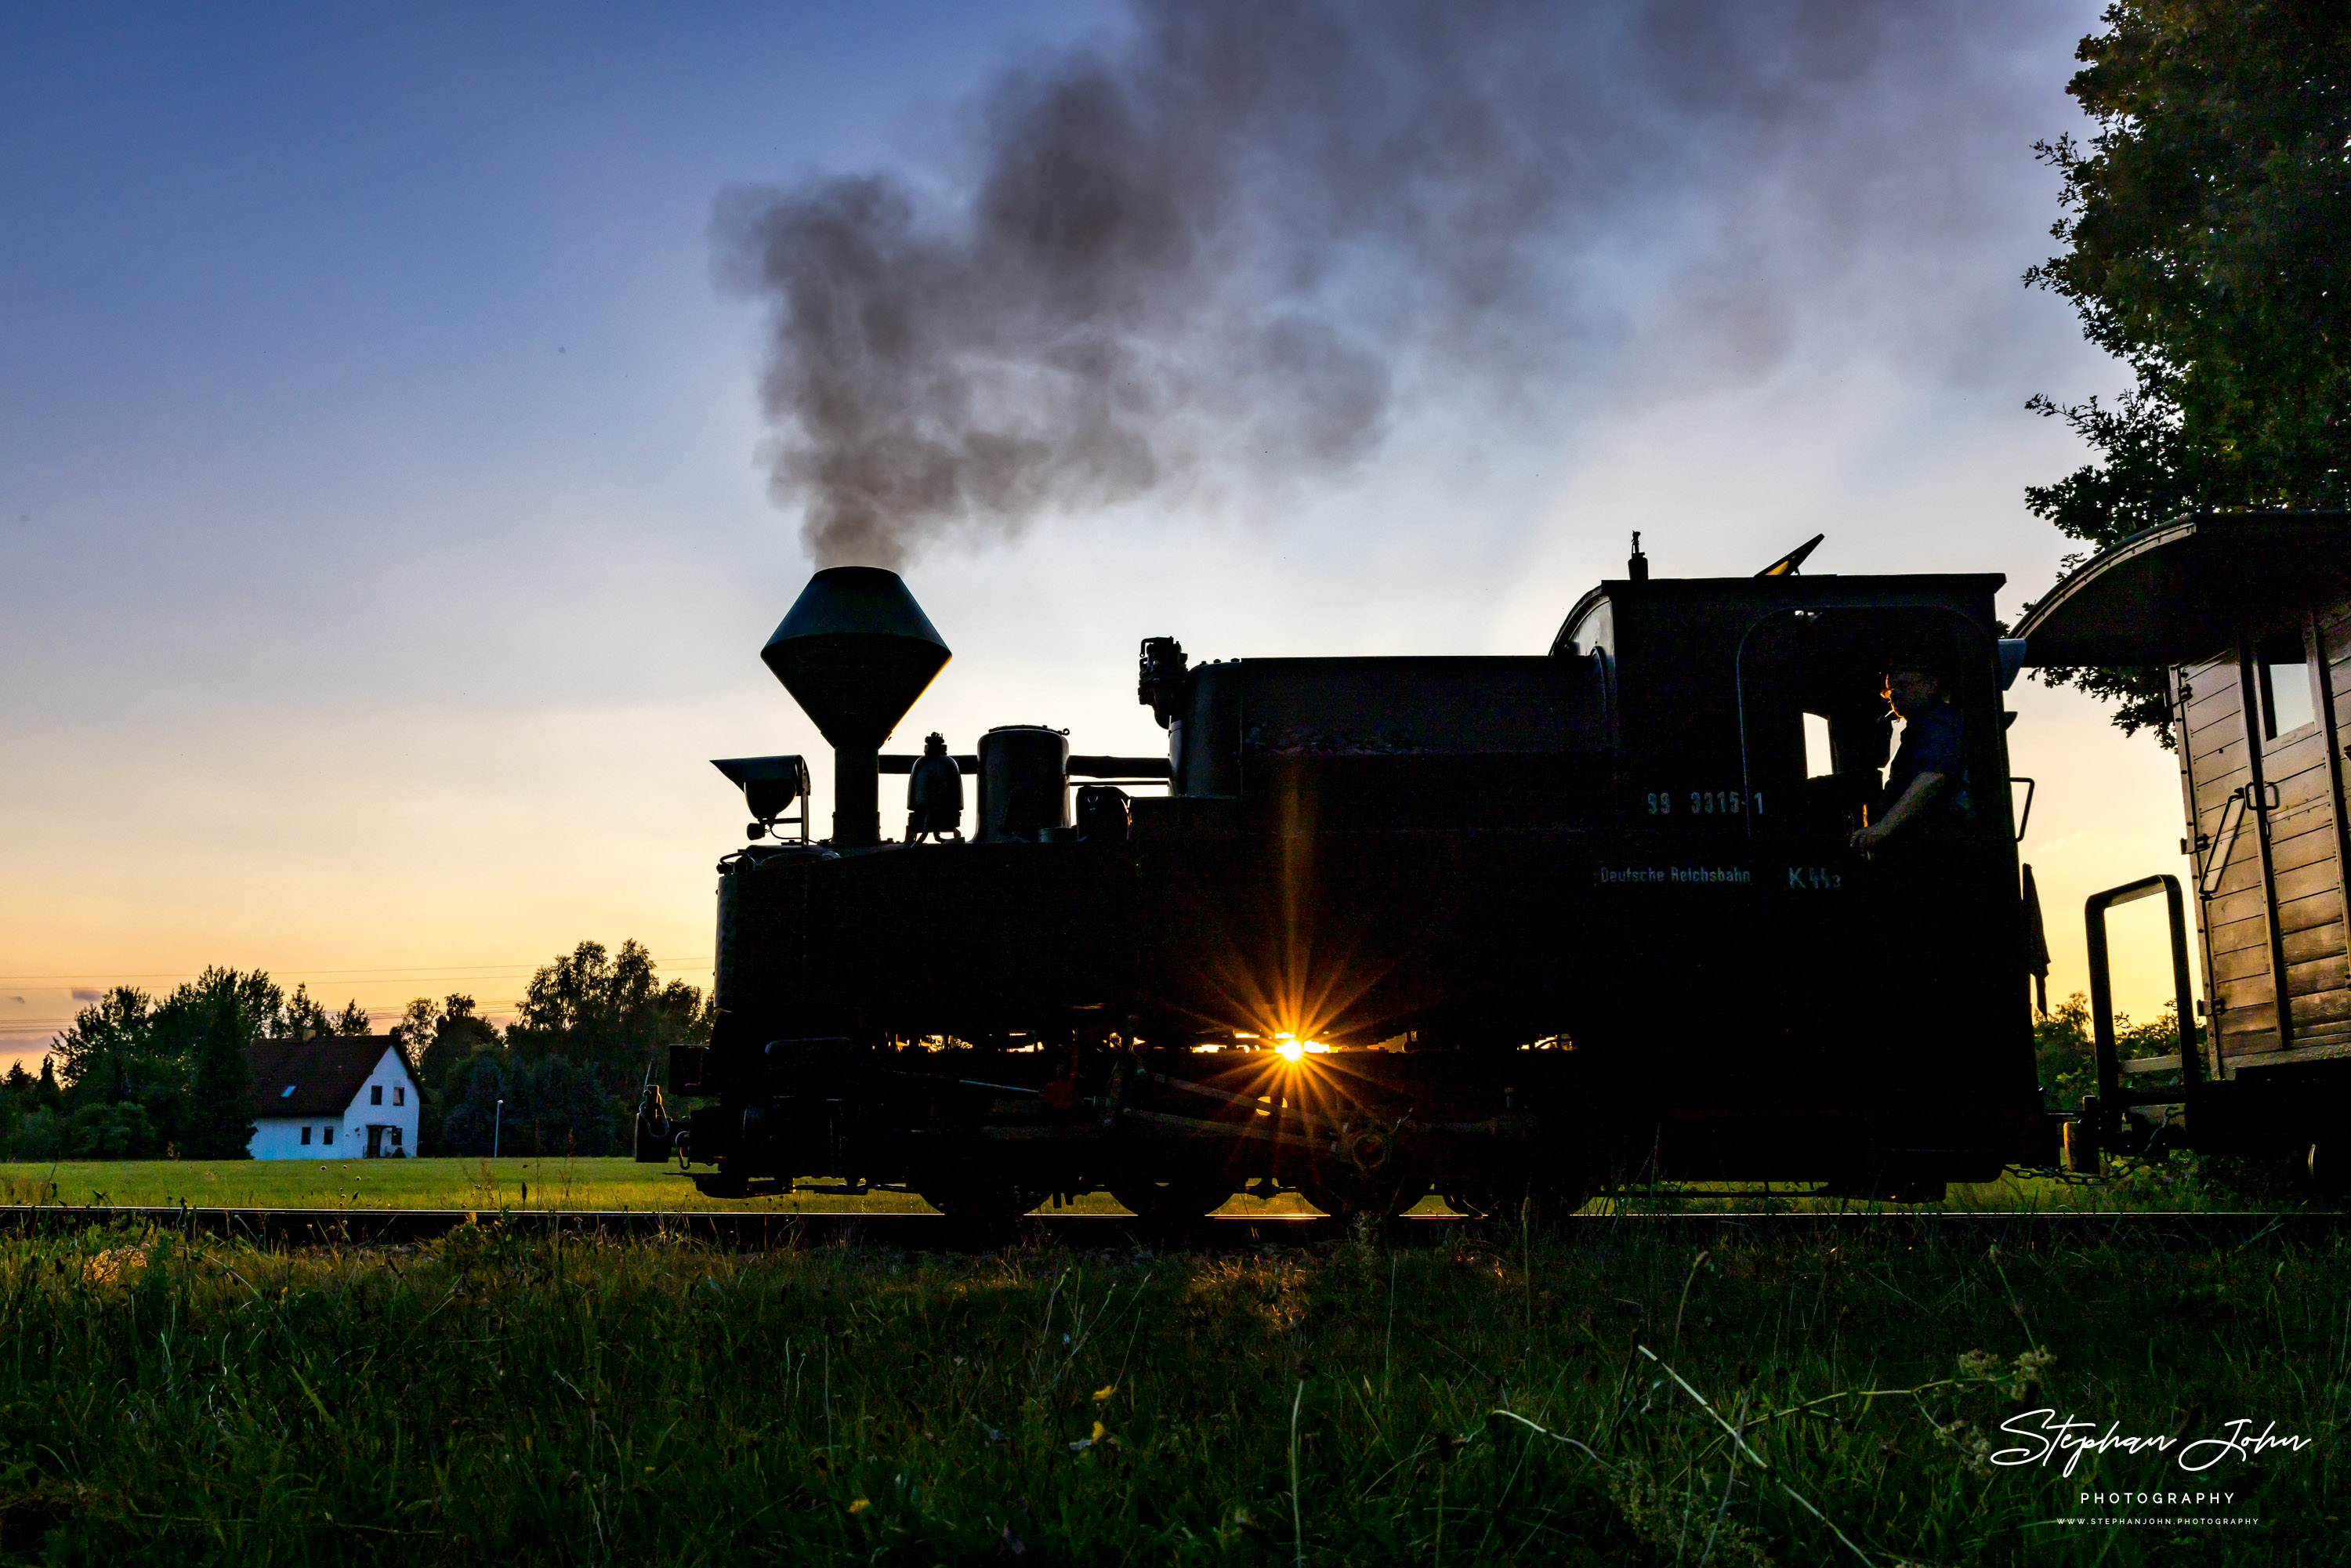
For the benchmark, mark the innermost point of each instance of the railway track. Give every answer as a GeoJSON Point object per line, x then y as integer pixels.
{"type": "Point", "coordinates": [932, 1232]}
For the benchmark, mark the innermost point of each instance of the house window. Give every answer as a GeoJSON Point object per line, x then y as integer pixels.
{"type": "Point", "coordinates": [305, 1135]}
{"type": "Point", "coordinates": [330, 1132]}
{"type": "Point", "coordinates": [395, 1137]}
{"type": "Point", "coordinates": [375, 1094]}
{"type": "Point", "coordinates": [399, 1095]}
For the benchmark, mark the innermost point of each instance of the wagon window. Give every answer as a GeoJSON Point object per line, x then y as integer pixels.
{"type": "Point", "coordinates": [2285, 678]}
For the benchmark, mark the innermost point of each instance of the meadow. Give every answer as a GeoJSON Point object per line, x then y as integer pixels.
{"type": "Point", "coordinates": [1606, 1397]}
{"type": "Point", "coordinates": [482, 1185]}
{"type": "Point", "coordinates": [560, 1183]}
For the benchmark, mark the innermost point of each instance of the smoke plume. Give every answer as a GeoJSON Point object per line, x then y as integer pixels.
{"type": "Point", "coordinates": [1229, 243]}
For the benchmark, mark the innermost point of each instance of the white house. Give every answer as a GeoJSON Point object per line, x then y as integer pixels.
{"type": "Point", "coordinates": [331, 1097]}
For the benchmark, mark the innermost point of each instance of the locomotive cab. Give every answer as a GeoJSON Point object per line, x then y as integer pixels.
{"type": "Point", "coordinates": [1866, 1007]}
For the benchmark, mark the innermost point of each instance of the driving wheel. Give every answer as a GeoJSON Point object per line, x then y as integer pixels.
{"type": "Point", "coordinates": [1182, 1198]}
{"type": "Point", "coordinates": [979, 1199]}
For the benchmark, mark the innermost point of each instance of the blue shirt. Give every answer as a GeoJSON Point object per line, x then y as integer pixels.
{"type": "Point", "coordinates": [1933, 742]}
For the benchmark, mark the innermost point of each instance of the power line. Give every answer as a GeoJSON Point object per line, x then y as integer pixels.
{"type": "Point", "coordinates": [434, 972]}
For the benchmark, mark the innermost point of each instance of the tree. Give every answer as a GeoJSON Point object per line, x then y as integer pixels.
{"type": "Point", "coordinates": [180, 1064]}
{"type": "Point", "coordinates": [553, 1106]}
{"type": "Point", "coordinates": [2209, 248]}
{"type": "Point", "coordinates": [18, 1096]}
{"type": "Point", "coordinates": [210, 1025]}
{"type": "Point", "coordinates": [300, 1014]}
{"type": "Point", "coordinates": [435, 1036]}
{"type": "Point", "coordinates": [220, 1110]}
{"type": "Point", "coordinates": [613, 1011]}
{"type": "Point", "coordinates": [101, 1051]}
{"type": "Point", "coordinates": [413, 1032]}
{"type": "Point", "coordinates": [438, 1038]}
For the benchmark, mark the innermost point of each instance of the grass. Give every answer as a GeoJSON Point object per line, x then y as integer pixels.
{"type": "Point", "coordinates": [1613, 1398]}
{"type": "Point", "coordinates": [618, 1184]}
{"type": "Point", "coordinates": [484, 1185]}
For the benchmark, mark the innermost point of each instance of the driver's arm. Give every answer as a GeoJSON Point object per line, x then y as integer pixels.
{"type": "Point", "coordinates": [1914, 800]}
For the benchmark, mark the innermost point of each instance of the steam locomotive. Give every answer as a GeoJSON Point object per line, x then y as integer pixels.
{"type": "Point", "coordinates": [1508, 929]}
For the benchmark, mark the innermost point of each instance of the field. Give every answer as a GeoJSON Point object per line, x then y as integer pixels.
{"type": "Point", "coordinates": [1609, 1398]}
{"type": "Point", "coordinates": [482, 1185]}
{"type": "Point", "coordinates": [620, 1183]}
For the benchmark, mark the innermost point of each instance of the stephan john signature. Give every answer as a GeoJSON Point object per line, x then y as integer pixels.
{"type": "Point", "coordinates": [2052, 1438]}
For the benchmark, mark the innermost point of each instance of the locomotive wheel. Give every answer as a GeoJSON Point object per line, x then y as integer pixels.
{"type": "Point", "coordinates": [1510, 1204]}
{"type": "Point", "coordinates": [979, 1199]}
{"type": "Point", "coordinates": [720, 1185]}
{"type": "Point", "coordinates": [1180, 1199]}
{"type": "Point", "coordinates": [1344, 1194]}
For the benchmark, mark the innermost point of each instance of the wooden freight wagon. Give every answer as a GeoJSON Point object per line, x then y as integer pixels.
{"type": "Point", "coordinates": [2249, 615]}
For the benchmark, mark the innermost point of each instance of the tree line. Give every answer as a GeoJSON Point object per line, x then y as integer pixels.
{"type": "Point", "coordinates": [136, 1077]}
{"type": "Point", "coordinates": [569, 1068]}
{"type": "Point", "coordinates": [2207, 233]}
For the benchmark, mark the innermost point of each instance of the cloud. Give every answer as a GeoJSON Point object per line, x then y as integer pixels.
{"type": "Point", "coordinates": [1229, 246]}
{"type": "Point", "coordinates": [85, 996]}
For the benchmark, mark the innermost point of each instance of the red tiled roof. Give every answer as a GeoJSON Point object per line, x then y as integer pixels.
{"type": "Point", "coordinates": [326, 1073]}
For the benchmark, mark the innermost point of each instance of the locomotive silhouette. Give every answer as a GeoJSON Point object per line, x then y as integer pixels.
{"type": "Point", "coordinates": [1508, 929]}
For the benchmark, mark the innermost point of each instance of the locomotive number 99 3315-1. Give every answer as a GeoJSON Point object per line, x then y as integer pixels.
{"type": "Point", "coordinates": [1702, 802]}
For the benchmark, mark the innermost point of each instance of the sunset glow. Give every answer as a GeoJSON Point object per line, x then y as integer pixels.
{"type": "Point", "coordinates": [439, 373]}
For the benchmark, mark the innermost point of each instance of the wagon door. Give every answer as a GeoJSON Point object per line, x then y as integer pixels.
{"type": "Point", "coordinates": [2262, 769]}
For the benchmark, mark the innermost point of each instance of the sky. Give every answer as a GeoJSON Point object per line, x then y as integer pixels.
{"type": "Point", "coordinates": [413, 420]}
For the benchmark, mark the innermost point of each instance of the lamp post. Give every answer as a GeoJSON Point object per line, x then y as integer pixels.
{"type": "Point", "coordinates": [497, 1119]}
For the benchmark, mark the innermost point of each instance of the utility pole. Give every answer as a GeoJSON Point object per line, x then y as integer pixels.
{"type": "Point", "coordinates": [497, 1119]}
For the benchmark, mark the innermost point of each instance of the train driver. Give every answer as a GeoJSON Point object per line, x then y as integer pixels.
{"type": "Point", "coordinates": [1925, 796]}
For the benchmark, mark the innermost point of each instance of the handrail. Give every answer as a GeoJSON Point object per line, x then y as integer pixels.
{"type": "Point", "coordinates": [2111, 1100]}
{"type": "Point", "coordinates": [2224, 844]}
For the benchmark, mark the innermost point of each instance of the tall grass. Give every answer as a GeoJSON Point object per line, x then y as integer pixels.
{"type": "Point", "coordinates": [1612, 1398]}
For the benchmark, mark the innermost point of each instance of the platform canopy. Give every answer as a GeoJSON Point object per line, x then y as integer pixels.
{"type": "Point", "coordinates": [2182, 592]}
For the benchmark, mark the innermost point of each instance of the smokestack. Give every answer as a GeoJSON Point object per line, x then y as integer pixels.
{"type": "Point", "coordinates": [855, 652]}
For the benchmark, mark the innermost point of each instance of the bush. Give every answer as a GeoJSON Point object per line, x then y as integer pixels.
{"type": "Point", "coordinates": [553, 1106]}
{"type": "Point", "coordinates": [2066, 1055]}
{"type": "Point", "coordinates": [117, 1132]}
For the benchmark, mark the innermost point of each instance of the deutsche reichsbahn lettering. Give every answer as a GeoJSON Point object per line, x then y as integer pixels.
{"type": "Point", "coordinates": [1607, 876]}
